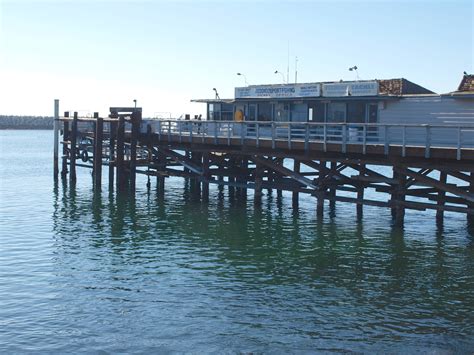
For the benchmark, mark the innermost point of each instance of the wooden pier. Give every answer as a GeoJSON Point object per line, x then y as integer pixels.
{"type": "Point", "coordinates": [318, 159]}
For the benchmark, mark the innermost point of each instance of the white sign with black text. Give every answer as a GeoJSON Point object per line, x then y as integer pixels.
{"type": "Point", "coordinates": [278, 91]}
{"type": "Point", "coordinates": [355, 88]}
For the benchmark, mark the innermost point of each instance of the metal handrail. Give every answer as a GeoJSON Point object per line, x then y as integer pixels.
{"type": "Point", "coordinates": [388, 135]}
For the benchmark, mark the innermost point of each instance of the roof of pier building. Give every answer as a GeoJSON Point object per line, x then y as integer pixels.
{"type": "Point", "coordinates": [467, 83]}
{"type": "Point", "coordinates": [465, 89]}
{"type": "Point", "coordinates": [385, 88]}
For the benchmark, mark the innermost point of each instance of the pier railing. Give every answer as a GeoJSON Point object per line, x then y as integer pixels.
{"type": "Point", "coordinates": [364, 134]}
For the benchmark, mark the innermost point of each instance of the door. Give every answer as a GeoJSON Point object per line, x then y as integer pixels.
{"type": "Point", "coordinates": [252, 116]}
{"type": "Point", "coordinates": [372, 118]}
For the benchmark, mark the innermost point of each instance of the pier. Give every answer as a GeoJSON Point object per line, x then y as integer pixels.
{"type": "Point", "coordinates": [316, 159]}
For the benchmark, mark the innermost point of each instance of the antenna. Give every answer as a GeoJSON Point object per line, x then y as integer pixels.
{"type": "Point", "coordinates": [296, 70]}
{"type": "Point", "coordinates": [288, 64]}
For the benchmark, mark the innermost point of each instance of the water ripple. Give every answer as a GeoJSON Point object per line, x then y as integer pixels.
{"type": "Point", "coordinates": [85, 272]}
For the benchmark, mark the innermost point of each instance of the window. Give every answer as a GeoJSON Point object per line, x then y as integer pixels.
{"type": "Point", "coordinates": [316, 111]}
{"type": "Point", "coordinates": [299, 112]}
{"type": "Point", "coordinates": [264, 112]}
{"type": "Point", "coordinates": [214, 111]}
{"type": "Point", "coordinates": [356, 112]}
{"type": "Point", "coordinates": [282, 112]}
{"type": "Point", "coordinates": [227, 112]}
{"type": "Point", "coordinates": [336, 112]}
{"type": "Point", "coordinates": [210, 112]}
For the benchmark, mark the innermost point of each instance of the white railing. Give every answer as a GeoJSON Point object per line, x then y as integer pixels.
{"type": "Point", "coordinates": [402, 135]}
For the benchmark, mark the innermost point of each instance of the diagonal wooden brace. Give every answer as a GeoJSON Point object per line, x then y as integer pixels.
{"type": "Point", "coordinates": [183, 160]}
{"type": "Point", "coordinates": [437, 184]}
{"type": "Point", "coordinates": [284, 171]}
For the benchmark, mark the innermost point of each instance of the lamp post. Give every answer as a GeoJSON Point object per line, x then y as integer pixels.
{"type": "Point", "coordinates": [217, 95]}
{"type": "Point", "coordinates": [354, 68]}
{"type": "Point", "coordinates": [282, 76]}
{"type": "Point", "coordinates": [245, 78]}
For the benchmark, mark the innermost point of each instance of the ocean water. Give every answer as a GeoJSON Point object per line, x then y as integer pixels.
{"type": "Point", "coordinates": [151, 273]}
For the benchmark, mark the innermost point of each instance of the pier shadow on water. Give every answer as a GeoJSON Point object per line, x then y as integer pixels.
{"type": "Point", "coordinates": [166, 271]}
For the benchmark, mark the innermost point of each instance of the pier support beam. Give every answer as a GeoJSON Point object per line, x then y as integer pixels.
{"type": "Point", "coordinates": [320, 203]}
{"type": "Point", "coordinates": [112, 136]}
{"type": "Point", "coordinates": [72, 160]}
{"type": "Point", "coordinates": [321, 189]}
{"type": "Point", "coordinates": [195, 185]}
{"type": "Point", "coordinates": [205, 177]}
{"type": "Point", "coordinates": [99, 130]}
{"type": "Point", "coordinates": [66, 138]}
{"type": "Point", "coordinates": [56, 140]}
{"type": "Point", "coordinates": [394, 193]}
{"type": "Point", "coordinates": [441, 200]}
{"type": "Point", "coordinates": [161, 160]}
{"type": "Point", "coordinates": [400, 208]}
{"type": "Point", "coordinates": [470, 217]}
{"type": "Point", "coordinates": [332, 191]}
{"type": "Point", "coordinates": [295, 195]}
{"type": "Point", "coordinates": [258, 183]}
{"type": "Point", "coordinates": [135, 120]}
{"type": "Point", "coordinates": [119, 160]}
{"type": "Point", "coordinates": [360, 194]}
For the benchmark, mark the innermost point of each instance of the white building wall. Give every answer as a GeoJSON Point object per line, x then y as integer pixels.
{"type": "Point", "coordinates": [430, 110]}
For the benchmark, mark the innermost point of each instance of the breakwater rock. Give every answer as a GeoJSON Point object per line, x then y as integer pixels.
{"type": "Point", "coordinates": [26, 122]}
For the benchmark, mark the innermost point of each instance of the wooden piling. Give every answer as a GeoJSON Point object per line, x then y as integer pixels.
{"type": "Point", "coordinates": [98, 143]}
{"type": "Point", "coordinates": [332, 190]}
{"type": "Point", "coordinates": [258, 183]}
{"type": "Point", "coordinates": [394, 193]}
{"type": "Point", "coordinates": [195, 182]}
{"type": "Point", "coordinates": [320, 203]}
{"type": "Point", "coordinates": [112, 135]}
{"type": "Point", "coordinates": [135, 120]}
{"type": "Point", "coordinates": [401, 193]}
{"type": "Point", "coordinates": [360, 194]}
{"type": "Point", "coordinates": [280, 161]}
{"type": "Point", "coordinates": [205, 177]}
{"type": "Point", "coordinates": [470, 217]}
{"type": "Point", "coordinates": [295, 195]}
{"type": "Point", "coordinates": [321, 190]}
{"type": "Point", "coordinates": [73, 150]}
{"type": "Point", "coordinates": [119, 160]}
{"type": "Point", "coordinates": [66, 137]}
{"type": "Point", "coordinates": [441, 199]}
{"type": "Point", "coordinates": [244, 166]}
{"type": "Point", "coordinates": [161, 170]}
{"type": "Point", "coordinates": [56, 140]}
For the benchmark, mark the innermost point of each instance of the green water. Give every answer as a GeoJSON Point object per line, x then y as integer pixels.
{"type": "Point", "coordinates": [85, 272]}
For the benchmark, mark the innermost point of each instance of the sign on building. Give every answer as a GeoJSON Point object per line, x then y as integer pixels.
{"type": "Point", "coordinates": [278, 91]}
{"type": "Point", "coordinates": [355, 88]}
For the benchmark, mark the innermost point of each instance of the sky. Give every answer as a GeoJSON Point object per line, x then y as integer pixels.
{"type": "Point", "coordinates": [95, 54]}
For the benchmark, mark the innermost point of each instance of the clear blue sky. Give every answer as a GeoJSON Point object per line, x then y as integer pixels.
{"type": "Point", "coordinates": [92, 55]}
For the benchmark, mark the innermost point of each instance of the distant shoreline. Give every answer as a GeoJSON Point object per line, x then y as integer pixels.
{"type": "Point", "coordinates": [26, 122]}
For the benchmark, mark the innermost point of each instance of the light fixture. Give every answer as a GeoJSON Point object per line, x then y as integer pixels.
{"type": "Point", "coordinates": [282, 76]}
{"type": "Point", "coordinates": [354, 68]}
{"type": "Point", "coordinates": [245, 78]}
{"type": "Point", "coordinates": [217, 95]}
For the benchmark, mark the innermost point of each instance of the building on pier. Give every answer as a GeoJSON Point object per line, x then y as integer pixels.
{"type": "Point", "coordinates": [392, 101]}
{"type": "Point", "coordinates": [425, 166]}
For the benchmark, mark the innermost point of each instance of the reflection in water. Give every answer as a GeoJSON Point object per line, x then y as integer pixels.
{"type": "Point", "coordinates": [157, 272]}
{"type": "Point", "coordinates": [248, 273]}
